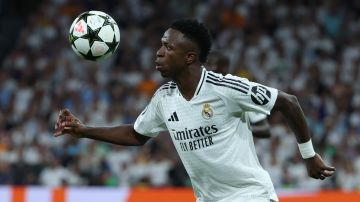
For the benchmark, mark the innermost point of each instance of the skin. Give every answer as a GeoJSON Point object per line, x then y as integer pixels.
{"type": "Point", "coordinates": [178, 59]}
{"type": "Point", "coordinates": [176, 53]}
{"type": "Point", "coordinates": [261, 129]}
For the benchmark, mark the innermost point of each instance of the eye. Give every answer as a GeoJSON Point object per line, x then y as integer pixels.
{"type": "Point", "coordinates": [167, 47]}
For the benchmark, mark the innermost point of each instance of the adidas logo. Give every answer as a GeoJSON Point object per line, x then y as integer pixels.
{"type": "Point", "coordinates": [173, 117]}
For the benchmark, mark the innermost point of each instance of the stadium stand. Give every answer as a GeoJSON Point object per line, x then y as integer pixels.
{"type": "Point", "coordinates": [308, 48]}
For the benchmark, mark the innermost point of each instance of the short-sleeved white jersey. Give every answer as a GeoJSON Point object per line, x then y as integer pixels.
{"type": "Point", "coordinates": [255, 117]}
{"type": "Point", "coordinates": [211, 133]}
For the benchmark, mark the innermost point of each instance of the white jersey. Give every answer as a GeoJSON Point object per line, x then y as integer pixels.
{"type": "Point", "coordinates": [255, 117]}
{"type": "Point", "coordinates": [211, 133]}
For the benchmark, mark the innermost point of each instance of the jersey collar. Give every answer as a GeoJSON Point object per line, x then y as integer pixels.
{"type": "Point", "coordinates": [202, 79]}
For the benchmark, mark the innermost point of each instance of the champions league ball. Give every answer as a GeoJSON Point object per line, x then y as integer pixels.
{"type": "Point", "coordinates": [94, 35]}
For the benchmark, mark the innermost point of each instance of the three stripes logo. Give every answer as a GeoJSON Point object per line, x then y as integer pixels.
{"type": "Point", "coordinates": [260, 95]}
{"type": "Point", "coordinates": [228, 82]}
{"type": "Point", "coordinates": [173, 117]}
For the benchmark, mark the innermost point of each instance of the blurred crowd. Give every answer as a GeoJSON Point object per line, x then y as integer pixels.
{"type": "Point", "coordinates": [308, 48]}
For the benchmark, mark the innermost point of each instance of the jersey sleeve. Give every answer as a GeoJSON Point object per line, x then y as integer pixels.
{"type": "Point", "coordinates": [255, 117]}
{"type": "Point", "coordinates": [150, 122]}
{"type": "Point", "coordinates": [250, 96]}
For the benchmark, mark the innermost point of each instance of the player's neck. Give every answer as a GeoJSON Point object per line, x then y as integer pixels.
{"type": "Point", "coordinates": [188, 82]}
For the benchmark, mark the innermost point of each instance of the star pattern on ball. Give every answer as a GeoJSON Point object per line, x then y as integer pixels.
{"type": "Point", "coordinates": [85, 44]}
{"type": "Point", "coordinates": [92, 35]}
{"type": "Point", "coordinates": [112, 45]}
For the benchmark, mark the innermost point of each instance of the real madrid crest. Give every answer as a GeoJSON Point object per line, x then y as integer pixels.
{"type": "Point", "coordinates": [207, 112]}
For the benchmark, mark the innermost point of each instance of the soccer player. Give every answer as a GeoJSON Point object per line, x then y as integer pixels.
{"type": "Point", "coordinates": [204, 113]}
{"type": "Point", "coordinates": [219, 63]}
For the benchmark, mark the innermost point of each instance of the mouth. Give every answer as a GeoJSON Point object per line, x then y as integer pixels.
{"type": "Point", "coordinates": [158, 66]}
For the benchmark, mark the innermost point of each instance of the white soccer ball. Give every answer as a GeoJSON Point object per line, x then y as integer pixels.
{"type": "Point", "coordinates": [94, 35]}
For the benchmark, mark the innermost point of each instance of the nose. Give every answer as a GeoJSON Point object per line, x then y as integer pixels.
{"type": "Point", "coordinates": [160, 52]}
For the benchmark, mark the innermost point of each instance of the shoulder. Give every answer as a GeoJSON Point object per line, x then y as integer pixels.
{"type": "Point", "coordinates": [166, 89]}
{"type": "Point", "coordinates": [228, 82]}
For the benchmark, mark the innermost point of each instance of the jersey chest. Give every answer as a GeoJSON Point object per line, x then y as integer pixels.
{"type": "Point", "coordinates": [179, 113]}
{"type": "Point", "coordinates": [197, 124]}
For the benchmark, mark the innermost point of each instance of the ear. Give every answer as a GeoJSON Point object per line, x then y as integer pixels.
{"type": "Point", "coordinates": [190, 57]}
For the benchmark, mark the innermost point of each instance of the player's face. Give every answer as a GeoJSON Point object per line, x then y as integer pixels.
{"type": "Point", "coordinates": [170, 58]}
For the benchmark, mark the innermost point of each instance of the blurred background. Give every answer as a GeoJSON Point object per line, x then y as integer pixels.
{"type": "Point", "coordinates": [308, 48]}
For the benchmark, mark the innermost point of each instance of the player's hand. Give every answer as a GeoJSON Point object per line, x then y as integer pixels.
{"type": "Point", "coordinates": [67, 123]}
{"type": "Point", "coordinates": [317, 168]}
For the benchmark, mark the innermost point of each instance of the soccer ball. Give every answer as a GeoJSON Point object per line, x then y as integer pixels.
{"type": "Point", "coordinates": [94, 35]}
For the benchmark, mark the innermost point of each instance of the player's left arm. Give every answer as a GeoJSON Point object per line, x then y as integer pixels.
{"type": "Point", "coordinates": [261, 129]}
{"type": "Point", "coordinates": [289, 106]}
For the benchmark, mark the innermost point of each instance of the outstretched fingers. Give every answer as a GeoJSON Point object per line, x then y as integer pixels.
{"type": "Point", "coordinates": [64, 115]}
{"type": "Point", "coordinates": [69, 124]}
{"type": "Point", "coordinates": [65, 127]}
{"type": "Point", "coordinates": [328, 171]}
{"type": "Point", "coordinates": [330, 168]}
{"type": "Point", "coordinates": [58, 132]}
{"type": "Point", "coordinates": [65, 112]}
{"type": "Point", "coordinates": [318, 169]}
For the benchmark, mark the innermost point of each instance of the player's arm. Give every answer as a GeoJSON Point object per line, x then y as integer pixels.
{"type": "Point", "coordinates": [67, 123]}
{"type": "Point", "coordinates": [261, 129]}
{"type": "Point", "coordinates": [289, 106]}
{"type": "Point", "coordinates": [260, 126]}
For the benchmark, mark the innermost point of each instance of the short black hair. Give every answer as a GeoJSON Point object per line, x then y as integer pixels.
{"type": "Point", "coordinates": [198, 33]}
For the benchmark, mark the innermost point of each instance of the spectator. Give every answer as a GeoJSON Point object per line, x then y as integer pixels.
{"type": "Point", "coordinates": [308, 49]}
